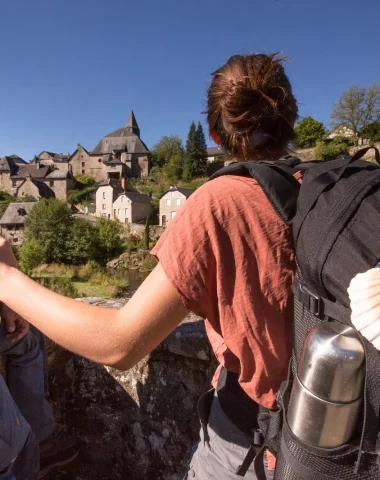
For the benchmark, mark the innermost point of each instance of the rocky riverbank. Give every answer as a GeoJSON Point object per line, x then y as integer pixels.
{"type": "Point", "coordinates": [135, 425]}
{"type": "Point", "coordinates": [140, 260]}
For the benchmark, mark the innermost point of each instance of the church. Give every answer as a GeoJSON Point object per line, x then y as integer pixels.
{"type": "Point", "coordinates": [120, 154]}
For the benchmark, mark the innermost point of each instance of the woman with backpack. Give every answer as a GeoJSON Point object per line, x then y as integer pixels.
{"type": "Point", "coordinates": [226, 256]}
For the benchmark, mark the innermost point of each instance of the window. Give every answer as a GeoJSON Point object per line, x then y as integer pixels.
{"type": "Point", "coordinates": [81, 156]}
{"type": "Point", "coordinates": [104, 206]}
{"type": "Point", "coordinates": [99, 160]}
{"type": "Point", "coordinates": [51, 184]}
{"type": "Point", "coordinates": [83, 172]}
{"type": "Point", "coordinates": [126, 211]}
{"type": "Point", "coordinates": [178, 202]}
{"type": "Point", "coordinates": [118, 211]}
{"type": "Point", "coordinates": [168, 203]}
{"type": "Point", "coordinates": [104, 195]}
{"type": "Point", "coordinates": [104, 215]}
{"type": "Point", "coordinates": [83, 164]}
{"type": "Point", "coordinates": [122, 198]}
{"type": "Point", "coordinates": [14, 183]}
{"type": "Point", "coordinates": [172, 215]}
{"type": "Point", "coordinates": [163, 220]}
{"type": "Point", "coordinates": [172, 194]}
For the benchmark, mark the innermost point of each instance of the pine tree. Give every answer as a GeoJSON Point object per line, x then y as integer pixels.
{"type": "Point", "coordinates": [201, 170]}
{"type": "Point", "coordinates": [191, 154]}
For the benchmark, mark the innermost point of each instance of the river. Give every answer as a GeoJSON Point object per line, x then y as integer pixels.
{"type": "Point", "coordinates": [133, 278]}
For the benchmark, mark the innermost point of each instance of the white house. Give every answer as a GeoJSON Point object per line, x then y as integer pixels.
{"type": "Point", "coordinates": [340, 131]}
{"type": "Point", "coordinates": [171, 201]}
{"type": "Point", "coordinates": [132, 207]}
{"type": "Point", "coordinates": [215, 154]}
{"type": "Point", "coordinates": [107, 193]}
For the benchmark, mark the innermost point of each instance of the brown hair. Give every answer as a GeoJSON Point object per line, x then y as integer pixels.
{"type": "Point", "coordinates": [251, 106]}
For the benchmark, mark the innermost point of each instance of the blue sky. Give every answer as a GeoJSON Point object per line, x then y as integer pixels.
{"type": "Point", "coordinates": [72, 70]}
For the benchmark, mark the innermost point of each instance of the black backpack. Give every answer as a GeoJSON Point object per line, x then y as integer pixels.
{"type": "Point", "coordinates": [335, 219]}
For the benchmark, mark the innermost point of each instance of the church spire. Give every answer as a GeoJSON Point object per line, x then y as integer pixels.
{"type": "Point", "coordinates": [132, 125]}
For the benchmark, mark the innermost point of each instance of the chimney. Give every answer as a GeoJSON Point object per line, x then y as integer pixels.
{"type": "Point", "coordinates": [124, 183]}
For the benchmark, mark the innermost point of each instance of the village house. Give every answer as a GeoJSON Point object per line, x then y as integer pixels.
{"type": "Point", "coordinates": [171, 201]}
{"type": "Point", "coordinates": [132, 207]}
{"type": "Point", "coordinates": [119, 154]}
{"type": "Point", "coordinates": [216, 154]}
{"type": "Point", "coordinates": [119, 200]}
{"type": "Point", "coordinates": [19, 178]}
{"type": "Point", "coordinates": [347, 132]}
{"type": "Point", "coordinates": [12, 223]}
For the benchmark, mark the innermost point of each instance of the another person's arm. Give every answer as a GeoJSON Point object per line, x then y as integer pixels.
{"type": "Point", "coordinates": [118, 338]}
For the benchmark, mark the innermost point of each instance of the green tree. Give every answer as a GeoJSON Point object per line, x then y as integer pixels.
{"type": "Point", "coordinates": [309, 131]}
{"type": "Point", "coordinates": [49, 223]}
{"type": "Point", "coordinates": [147, 233]}
{"type": "Point", "coordinates": [165, 149]}
{"type": "Point", "coordinates": [31, 254]}
{"type": "Point", "coordinates": [191, 154]}
{"type": "Point", "coordinates": [372, 132]}
{"type": "Point", "coordinates": [173, 171]}
{"type": "Point", "coordinates": [357, 108]}
{"type": "Point", "coordinates": [109, 235]}
{"type": "Point", "coordinates": [82, 243]}
{"type": "Point", "coordinates": [200, 139]}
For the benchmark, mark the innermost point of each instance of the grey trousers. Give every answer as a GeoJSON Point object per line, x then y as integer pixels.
{"type": "Point", "coordinates": [26, 417]}
{"type": "Point", "coordinates": [219, 456]}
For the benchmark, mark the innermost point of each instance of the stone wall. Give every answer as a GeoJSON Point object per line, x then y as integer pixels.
{"type": "Point", "coordinates": [135, 425]}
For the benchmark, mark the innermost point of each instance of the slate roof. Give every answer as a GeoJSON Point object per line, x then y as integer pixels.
{"type": "Point", "coordinates": [30, 170]}
{"type": "Point", "coordinates": [185, 191]}
{"type": "Point", "coordinates": [17, 159]}
{"type": "Point", "coordinates": [116, 185]}
{"type": "Point", "coordinates": [7, 164]}
{"type": "Point", "coordinates": [43, 190]}
{"type": "Point", "coordinates": [137, 197]}
{"type": "Point", "coordinates": [215, 151]}
{"type": "Point", "coordinates": [125, 139]}
{"type": "Point", "coordinates": [16, 213]}
{"type": "Point", "coordinates": [57, 175]}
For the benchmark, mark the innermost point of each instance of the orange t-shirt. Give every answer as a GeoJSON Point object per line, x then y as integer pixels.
{"type": "Point", "coordinates": [230, 258]}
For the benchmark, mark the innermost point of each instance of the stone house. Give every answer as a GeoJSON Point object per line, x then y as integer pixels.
{"type": "Point", "coordinates": [132, 207]}
{"type": "Point", "coordinates": [19, 178]}
{"type": "Point", "coordinates": [106, 195]}
{"type": "Point", "coordinates": [171, 201]}
{"type": "Point", "coordinates": [53, 160]}
{"type": "Point", "coordinates": [83, 163]}
{"type": "Point", "coordinates": [12, 223]}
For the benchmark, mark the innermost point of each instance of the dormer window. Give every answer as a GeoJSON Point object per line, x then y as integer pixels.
{"type": "Point", "coordinates": [21, 212]}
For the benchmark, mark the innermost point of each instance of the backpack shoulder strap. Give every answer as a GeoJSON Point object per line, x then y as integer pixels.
{"type": "Point", "coordinates": [275, 178]}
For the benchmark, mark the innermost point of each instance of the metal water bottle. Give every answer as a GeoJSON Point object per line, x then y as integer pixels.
{"type": "Point", "coordinates": [328, 388]}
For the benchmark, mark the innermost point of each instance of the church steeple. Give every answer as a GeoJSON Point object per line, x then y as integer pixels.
{"type": "Point", "coordinates": [132, 125]}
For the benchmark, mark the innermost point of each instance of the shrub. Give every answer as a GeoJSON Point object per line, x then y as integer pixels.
{"type": "Point", "coordinates": [31, 254]}
{"type": "Point", "coordinates": [329, 151]}
{"type": "Point", "coordinates": [60, 285]}
{"type": "Point", "coordinates": [148, 264]}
